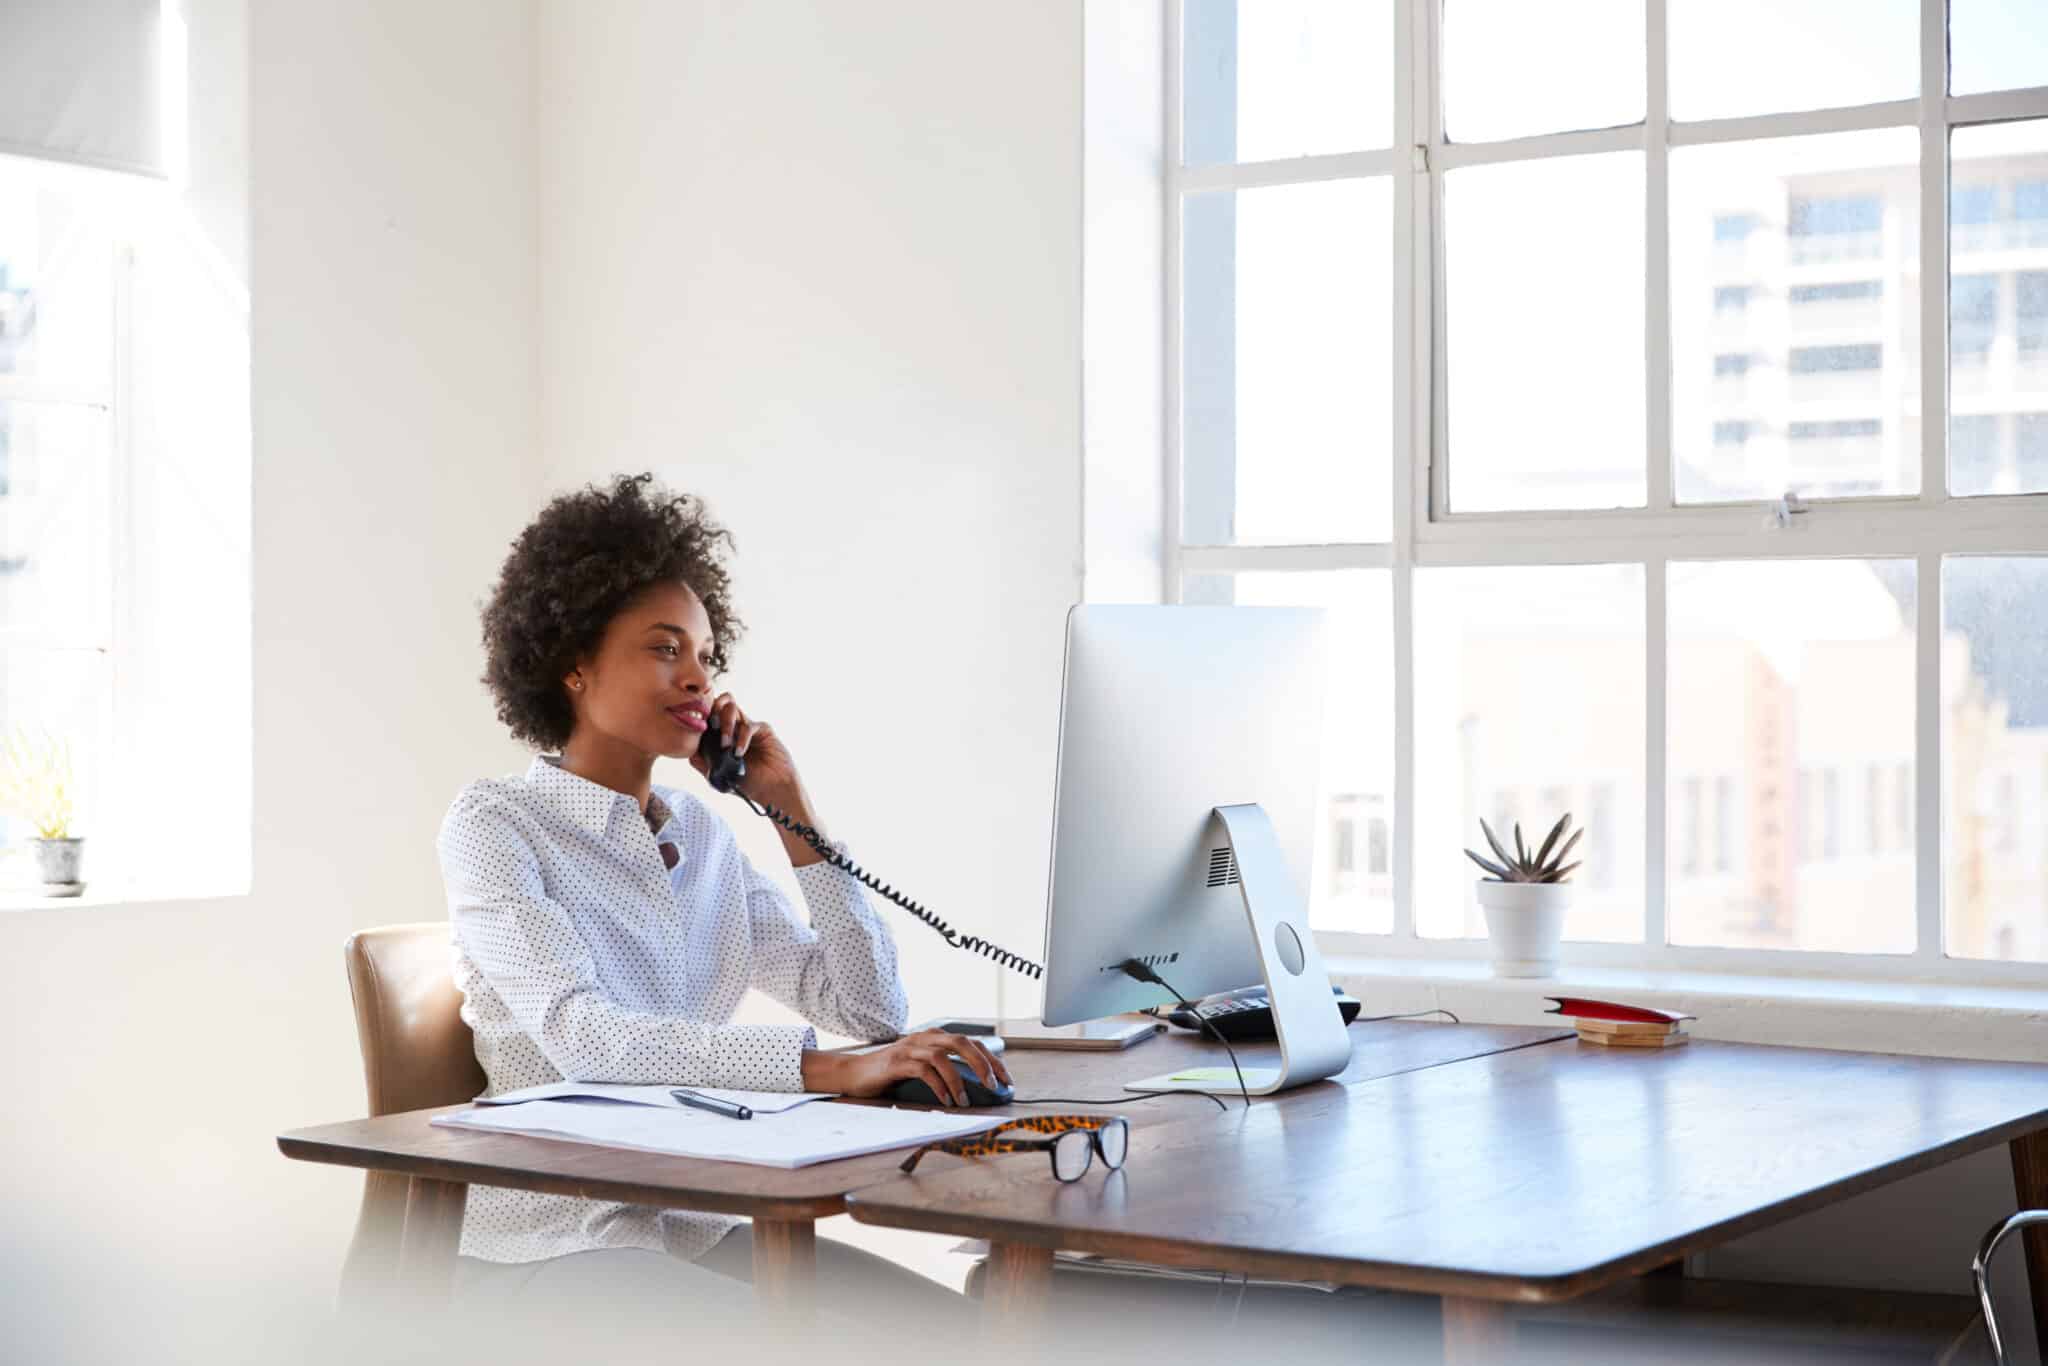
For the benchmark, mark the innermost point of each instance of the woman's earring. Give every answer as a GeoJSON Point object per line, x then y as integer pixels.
{"type": "Point", "coordinates": [577, 684]}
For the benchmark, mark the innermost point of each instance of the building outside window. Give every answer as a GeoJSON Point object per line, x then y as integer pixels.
{"type": "Point", "coordinates": [2030, 311]}
{"type": "Point", "coordinates": [1976, 444]}
{"type": "Point", "coordinates": [1973, 317]}
{"type": "Point", "coordinates": [1724, 824]}
{"type": "Point", "coordinates": [1808, 360]}
{"type": "Point", "coordinates": [1835, 227]}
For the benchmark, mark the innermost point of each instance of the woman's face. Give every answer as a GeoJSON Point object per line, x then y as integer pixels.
{"type": "Point", "coordinates": [649, 684]}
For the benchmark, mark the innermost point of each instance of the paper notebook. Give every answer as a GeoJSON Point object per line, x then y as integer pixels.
{"type": "Point", "coordinates": [796, 1137]}
{"type": "Point", "coordinates": [760, 1102]}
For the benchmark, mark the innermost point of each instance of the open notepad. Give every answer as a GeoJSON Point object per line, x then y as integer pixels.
{"type": "Point", "coordinates": [760, 1102]}
{"type": "Point", "coordinates": [795, 1137]}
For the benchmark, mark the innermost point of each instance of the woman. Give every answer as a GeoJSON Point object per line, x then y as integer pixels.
{"type": "Point", "coordinates": [606, 926]}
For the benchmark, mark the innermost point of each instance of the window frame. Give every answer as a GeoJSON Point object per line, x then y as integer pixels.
{"type": "Point", "coordinates": [113, 396]}
{"type": "Point", "coordinates": [1924, 527]}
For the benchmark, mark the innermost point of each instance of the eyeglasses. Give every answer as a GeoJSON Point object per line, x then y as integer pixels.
{"type": "Point", "coordinates": [1073, 1141]}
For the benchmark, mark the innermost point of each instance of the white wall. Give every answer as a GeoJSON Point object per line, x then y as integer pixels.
{"type": "Point", "coordinates": [820, 263]}
{"type": "Point", "coordinates": [154, 1051]}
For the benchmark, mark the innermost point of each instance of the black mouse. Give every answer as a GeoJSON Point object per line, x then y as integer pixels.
{"type": "Point", "coordinates": [915, 1091]}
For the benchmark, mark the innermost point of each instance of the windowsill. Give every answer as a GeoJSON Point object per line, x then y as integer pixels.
{"type": "Point", "coordinates": [1991, 1021]}
{"type": "Point", "coordinates": [25, 897]}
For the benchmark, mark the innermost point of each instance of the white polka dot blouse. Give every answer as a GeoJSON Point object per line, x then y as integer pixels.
{"type": "Point", "coordinates": [595, 942]}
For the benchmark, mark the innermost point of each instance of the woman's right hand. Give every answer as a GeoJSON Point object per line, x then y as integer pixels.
{"type": "Point", "coordinates": [923, 1055]}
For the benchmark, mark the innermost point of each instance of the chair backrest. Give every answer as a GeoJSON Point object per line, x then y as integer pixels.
{"type": "Point", "coordinates": [2035, 1220]}
{"type": "Point", "coordinates": [417, 1051]}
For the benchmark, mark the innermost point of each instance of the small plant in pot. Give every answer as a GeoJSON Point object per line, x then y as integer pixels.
{"type": "Point", "coordinates": [1525, 897]}
{"type": "Point", "coordinates": [36, 784]}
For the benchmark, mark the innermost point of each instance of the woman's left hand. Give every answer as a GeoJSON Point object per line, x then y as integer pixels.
{"type": "Point", "coordinates": [771, 773]}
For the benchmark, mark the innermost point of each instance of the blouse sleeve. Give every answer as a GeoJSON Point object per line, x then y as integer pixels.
{"type": "Point", "coordinates": [840, 969]}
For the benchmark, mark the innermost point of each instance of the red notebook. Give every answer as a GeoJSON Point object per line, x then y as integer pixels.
{"type": "Point", "coordinates": [1580, 1007]}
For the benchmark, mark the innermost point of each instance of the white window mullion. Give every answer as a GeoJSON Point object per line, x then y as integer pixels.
{"type": "Point", "coordinates": [1657, 263]}
{"type": "Point", "coordinates": [1933, 252]}
{"type": "Point", "coordinates": [1656, 639]}
{"type": "Point", "coordinates": [1869, 526]}
{"type": "Point", "coordinates": [1252, 175]}
{"type": "Point", "coordinates": [1626, 138]}
{"type": "Point", "coordinates": [1927, 764]}
{"type": "Point", "coordinates": [1402, 824]}
{"type": "Point", "coordinates": [1934, 307]}
{"type": "Point", "coordinates": [1750, 128]}
{"type": "Point", "coordinates": [1170, 212]}
{"type": "Point", "coordinates": [1999, 106]}
{"type": "Point", "coordinates": [1428, 133]}
{"type": "Point", "coordinates": [1410, 340]}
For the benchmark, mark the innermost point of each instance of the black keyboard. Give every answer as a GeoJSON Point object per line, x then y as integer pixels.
{"type": "Point", "coordinates": [1250, 1016]}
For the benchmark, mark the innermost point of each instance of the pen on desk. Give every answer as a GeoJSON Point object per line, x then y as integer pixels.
{"type": "Point", "coordinates": [713, 1104]}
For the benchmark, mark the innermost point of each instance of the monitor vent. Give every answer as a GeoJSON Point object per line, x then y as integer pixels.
{"type": "Point", "coordinates": [1222, 867]}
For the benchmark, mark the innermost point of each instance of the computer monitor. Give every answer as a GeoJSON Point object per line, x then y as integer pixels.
{"type": "Point", "coordinates": [1184, 818]}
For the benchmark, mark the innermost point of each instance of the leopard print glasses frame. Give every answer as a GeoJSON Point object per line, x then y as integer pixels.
{"type": "Point", "coordinates": [1071, 1141]}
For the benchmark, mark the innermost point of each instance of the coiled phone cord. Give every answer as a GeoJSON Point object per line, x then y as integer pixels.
{"type": "Point", "coordinates": [971, 942]}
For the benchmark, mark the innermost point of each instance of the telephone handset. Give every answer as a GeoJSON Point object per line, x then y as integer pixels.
{"type": "Point", "coordinates": [728, 769]}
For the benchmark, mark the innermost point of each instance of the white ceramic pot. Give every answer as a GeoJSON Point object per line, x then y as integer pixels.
{"type": "Point", "coordinates": [1525, 922]}
{"type": "Point", "coordinates": [61, 863]}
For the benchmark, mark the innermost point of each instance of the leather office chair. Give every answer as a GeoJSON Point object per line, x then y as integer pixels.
{"type": "Point", "coordinates": [417, 1052]}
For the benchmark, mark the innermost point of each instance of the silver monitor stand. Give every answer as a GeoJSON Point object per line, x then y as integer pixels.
{"type": "Point", "coordinates": [1313, 1043]}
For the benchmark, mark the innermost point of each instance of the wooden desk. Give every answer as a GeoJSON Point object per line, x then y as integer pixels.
{"type": "Point", "coordinates": [1534, 1175]}
{"type": "Point", "coordinates": [785, 1205]}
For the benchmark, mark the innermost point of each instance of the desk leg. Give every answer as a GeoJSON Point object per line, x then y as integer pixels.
{"type": "Point", "coordinates": [1476, 1332]}
{"type": "Point", "coordinates": [1016, 1287]}
{"type": "Point", "coordinates": [786, 1266]}
{"type": "Point", "coordinates": [2030, 1184]}
{"type": "Point", "coordinates": [433, 1232]}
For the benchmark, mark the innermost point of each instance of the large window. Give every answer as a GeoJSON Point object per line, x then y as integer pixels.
{"type": "Point", "coordinates": [1658, 389]}
{"type": "Point", "coordinates": [124, 528]}
{"type": "Point", "coordinates": [60, 283]}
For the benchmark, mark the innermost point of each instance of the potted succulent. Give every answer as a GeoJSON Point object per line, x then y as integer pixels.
{"type": "Point", "coordinates": [36, 784]}
{"type": "Point", "coordinates": [1525, 896]}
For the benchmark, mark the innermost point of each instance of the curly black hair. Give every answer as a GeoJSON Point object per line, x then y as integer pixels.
{"type": "Point", "coordinates": [587, 556]}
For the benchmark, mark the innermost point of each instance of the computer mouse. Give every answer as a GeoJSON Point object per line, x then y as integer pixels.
{"type": "Point", "coordinates": [916, 1091]}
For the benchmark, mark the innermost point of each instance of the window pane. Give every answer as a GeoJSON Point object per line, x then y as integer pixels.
{"type": "Point", "coordinates": [55, 281]}
{"type": "Point", "coordinates": [1545, 366]}
{"type": "Point", "coordinates": [1996, 45]}
{"type": "Point", "coordinates": [1529, 703]}
{"type": "Point", "coordinates": [1512, 69]}
{"type": "Point", "coordinates": [1286, 333]}
{"type": "Point", "coordinates": [1735, 57]}
{"type": "Point", "coordinates": [53, 509]}
{"type": "Point", "coordinates": [1352, 886]}
{"type": "Point", "coordinates": [1994, 741]}
{"type": "Point", "coordinates": [1285, 78]}
{"type": "Point", "coordinates": [1820, 366]}
{"type": "Point", "coordinates": [1792, 683]}
{"type": "Point", "coordinates": [1998, 309]}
